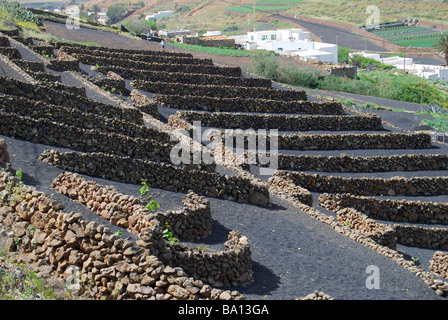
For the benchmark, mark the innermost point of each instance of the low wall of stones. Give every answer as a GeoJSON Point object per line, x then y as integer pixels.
{"type": "Point", "coordinates": [167, 67]}
{"type": "Point", "coordinates": [117, 86]}
{"type": "Point", "coordinates": [282, 122]}
{"type": "Point", "coordinates": [351, 141]}
{"type": "Point", "coordinates": [11, 33]}
{"type": "Point", "coordinates": [4, 154]}
{"type": "Point", "coordinates": [346, 163]}
{"type": "Point", "coordinates": [74, 117]}
{"type": "Point", "coordinates": [30, 65]}
{"type": "Point", "coordinates": [64, 65]}
{"type": "Point", "coordinates": [145, 104]}
{"type": "Point", "coordinates": [387, 209]}
{"type": "Point", "coordinates": [138, 57]}
{"type": "Point", "coordinates": [86, 140]}
{"type": "Point", "coordinates": [28, 41]}
{"type": "Point", "coordinates": [439, 264]}
{"type": "Point", "coordinates": [45, 76]}
{"type": "Point", "coordinates": [191, 222]}
{"type": "Point", "coordinates": [422, 237]}
{"type": "Point", "coordinates": [109, 267]}
{"type": "Point", "coordinates": [239, 104]}
{"type": "Point", "coordinates": [48, 94]}
{"type": "Point", "coordinates": [182, 77]}
{"type": "Point", "coordinates": [367, 186]}
{"type": "Point", "coordinates": [106, 50]}
{"type": "Point", "coordinates": [18, 88]}
{"type": "Point", "coordinates": [11, 53]}
{"type": "Point", "coordinates": [380, 233]}
{"type": "Point", "coordinates": [177, 179]}
{"type": "Point", "coordinates": [218, 91]}
{"type": "Point", "coordinates": [4, 42]}
{"type": "Point", "coordinates": [292, 190]}
{"type": "Point", "coordinates": [43, 50]}
{"type": "Point", "coordinates": [231, 267]}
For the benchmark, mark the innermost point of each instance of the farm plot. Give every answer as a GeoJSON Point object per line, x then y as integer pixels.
{"type": "Point", "coordinates": [409, 36]}
{"type": "Point", "coordinates": [85, 146]}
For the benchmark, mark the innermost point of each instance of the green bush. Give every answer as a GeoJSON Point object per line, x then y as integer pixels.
{"type": "Point", "coordinates": [140, 26]}
{"type": "Point", "coordinates": [115, 13]}
{"type": "Point", "coordinates": [343, 54]}
{"type": "Point", "coordinates": [18, 12]}
{"type": "Point", "coordinates": [268, 65]}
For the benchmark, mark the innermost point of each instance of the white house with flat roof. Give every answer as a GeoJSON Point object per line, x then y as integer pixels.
{"type": "Point", "coordinates": [291, 42]}
{"type": "Point", "coordinates": [428, 71]}
{"type": "Point", "coordinates": [159, 15]}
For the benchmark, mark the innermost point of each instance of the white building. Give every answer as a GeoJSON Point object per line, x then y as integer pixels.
{"type": "Point", "coordinates": [291, 42]}
{"type": "Point", "coordinates": [159, 15]}
{"type": "Point", "coordinates": [212, 34]}
{"type": "Point", "coordinates": [102, 17]}
{"type": "Point", "coordinates": [428, 71]}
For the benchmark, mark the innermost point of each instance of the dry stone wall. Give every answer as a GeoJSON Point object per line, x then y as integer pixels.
{"type": "Point", "coordinates": [422, 237]}
{"type": "Point", "coordinates": [167, 67]}
{"type": "Point", "coordinates": [11, 53]}
{"type": "Point", "coordinates": [4, 154]}
{"type": "Point", "coordinates": [297, 192]}
{"type": "Point", "coordinates": [29, 65]}
{"type": "Point", "coordinates": [439, 264]}
{"type": "Point", "coordinates": [43, 49]}
{"type": "Point", "coordinates": [367, 186]}
{"type": "Point", "coordinates": [57, 95]}
{"type": "Point", "coordinates": [191, 222]}
{"type": "Point", "coordinates": [104, 265]}
{"type": "Point", "coordinates": [87, 140]}
{"type": "Point", "coordinates": [218, 91]}
{"type": "Point", "coordinates": [229, 267]}
{"type": "Point", "coordinates": [346, 163]}
{"type": "Point", "coordinates": [388, 209]}
{"type": "Point", "coordinates": [74, 117]}
{"type": "Point", "coordinates": [281, 122]}
{"type": "Point", "coordinates": [4, 42]}
{"type": "Point", "coordinates": [182, 77]}
{"type": "Point", "coordinates": [107, 50]}
{"type": "Point", "coordinates": [382, 234]}
{"type": "Point", "coordinates": [145, 104]}
{"type": "Point", "coordinates": [351, 141]}
{"type": "Point", "coordinates": [177, 179]}
{"type": "Point", "coordinates": [117, 86]}
{"type": "Point", "coordinates": [138, 57]}
{"type": "Point", "coordinates": [239, 104]}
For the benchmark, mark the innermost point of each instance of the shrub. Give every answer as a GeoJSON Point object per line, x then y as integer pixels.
{"type": "Point", "coordinates": [115, 13]}
{"type": "Point", "coordinates": [140, 26]}
{"type": "Point", "coordinates": [18, 12]}
{"type": "Point", "coordinates": [269, 66]}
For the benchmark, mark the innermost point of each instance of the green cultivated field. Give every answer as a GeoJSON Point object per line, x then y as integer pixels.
{"type": "Point", "coordinates": [411, 36]}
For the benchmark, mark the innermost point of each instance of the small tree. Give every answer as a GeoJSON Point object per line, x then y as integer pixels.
{"type": "Point", "coordinates": [115, 13]}
{"type": "Point", "coordinates": [140, 26]}
{"type": "Point", "coordinates": [96, 8]}
{"type": "Point", "coordinates": [442, 45]}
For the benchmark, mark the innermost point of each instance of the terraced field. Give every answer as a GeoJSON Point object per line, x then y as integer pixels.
{"type": "Point", "coordinates": [95, 123]}
{"type": "Point", "coordinates": [410, 36]}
